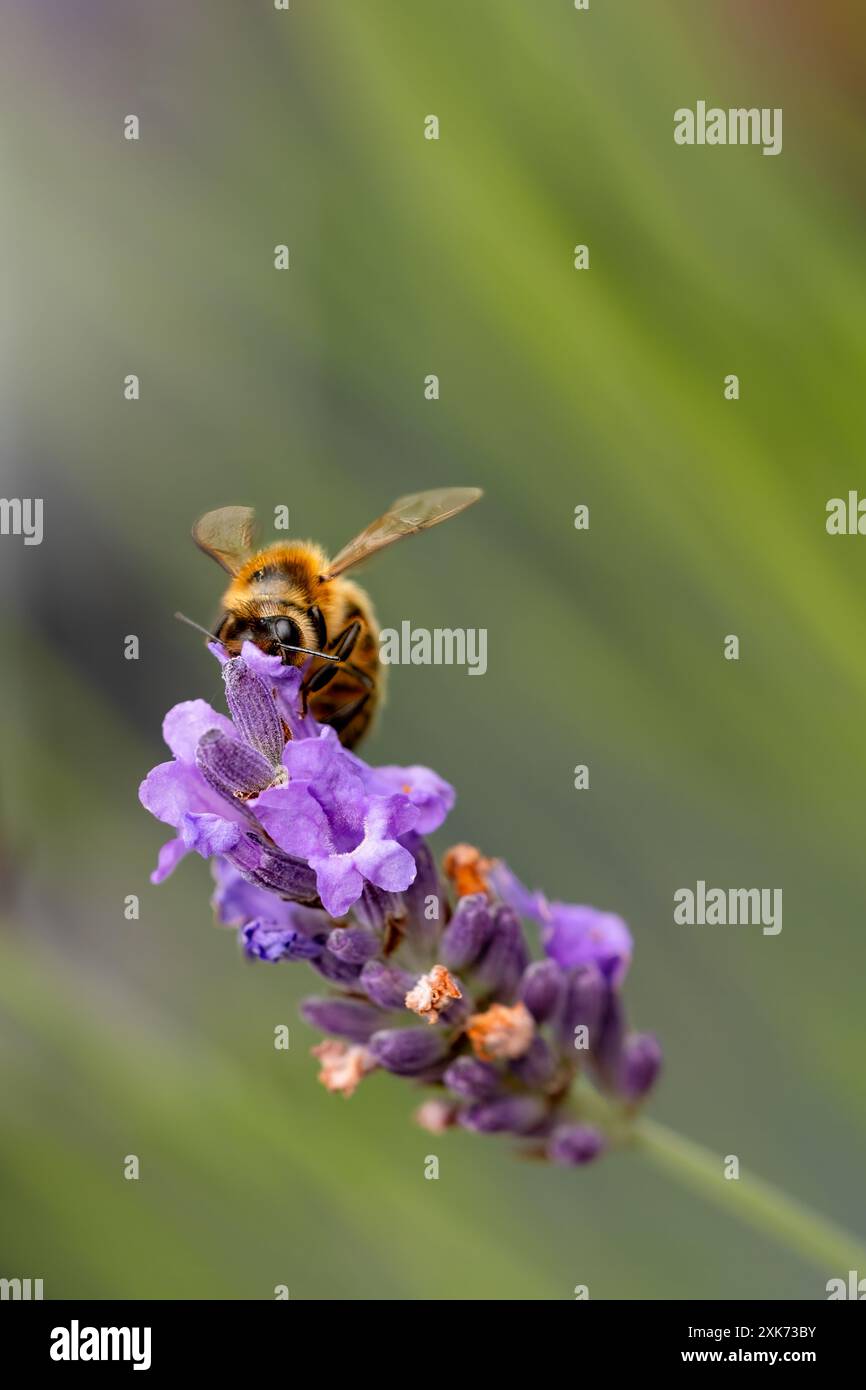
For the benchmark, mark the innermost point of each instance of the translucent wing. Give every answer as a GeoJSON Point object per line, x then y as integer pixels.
{"type": "Point", "coordinates": [226, 535]}
{"type": "Point", "coordinates": [403, 518]}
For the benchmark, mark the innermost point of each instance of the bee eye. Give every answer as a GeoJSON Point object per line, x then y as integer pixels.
{"type": "Point", "coordinates": [259, 574]}
{"type": "Point", "coordinates": [287, 631]}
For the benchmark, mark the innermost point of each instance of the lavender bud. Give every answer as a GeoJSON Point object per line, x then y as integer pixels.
{"type": "Point", "coordinates": [408, 1051]}
{"type": "Point", "coordinates": [583, 1005]}
{"type": "Point", "coordinates": [426, 885]}
{"type": "Point", "coordinates": [232, 768]}
{"type": "Point", "coordinates": [379, 911]}
{"type": "Point", "coordinates": [353, 945]}
{"type": "Point", "coordinates": [573, 1145]}
{"type": "Point", "coordinates": [386, 985]}
{"type": "Point", "coordinates": [264, 941]}
{"type": "Point", "coordinates": [312, 921]}
{"type": "Point", "coordinates": [504, 958]}
{"type": "Point", "coordinates": [253, 711]}
{"type": "Point", "coordinates": [472, 1079]}
{"type": "Point", "coordinates": [607, 1047]}
{"type": "Point", "coordinates": [270, 868]}
{"type": "Point", "coordinates": [542, 989]}
{"type": "Point", "coordinates": [639, 1066]}
{"type": "Point", "coordinates": [339, 972]}
{"type": "Point", "coordinates": [347, 1018]}
{"type": "Point", "coordinates": [467, 933]}
{"type": "Point", "coordinates": [537, 1067]}
{"type": "Point", "coordinates": [512, 1114]}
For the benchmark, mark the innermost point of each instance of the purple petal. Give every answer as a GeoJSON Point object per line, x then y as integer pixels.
{"type": "Point", "coordinates": [574, 935]}
{"type": "Point", "coordinates": [508, 887]}
{"type": "Point", "coordinates": [385, 863]}
{"type": "Point", "coordinates": [388, 817]}
{"type": "Point", "coordinates": [295, 821]}
{"type": "Point", "coordinates": [173, 789]}
{"type": "Point", "coordinates": [184, 725]}
{"type": "Point", "coordinates": [168, 859]}
{"type": "Point", "coordinates": [338, 882]}
{"type": "Point", "coordinates": [264, 941]}
{"type": "Point", "coordinates": [209, 835]}
{"type": "Point", "coordinates": [432, 797]}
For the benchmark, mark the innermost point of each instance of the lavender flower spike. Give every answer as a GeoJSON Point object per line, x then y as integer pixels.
{"type": "Point", "coordinates": [321, 859]}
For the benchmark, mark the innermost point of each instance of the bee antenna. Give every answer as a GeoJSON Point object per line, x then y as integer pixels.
{"type": "Point", "coordinates": [211, 636]}
{"type": "Point", "coordinates": [326, 656]}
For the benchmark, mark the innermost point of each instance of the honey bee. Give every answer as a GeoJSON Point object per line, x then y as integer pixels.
{"type": "Point", "coordinates": [292, 601]}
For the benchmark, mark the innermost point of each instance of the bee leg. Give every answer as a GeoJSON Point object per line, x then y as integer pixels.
{"type": "Point", "coordinates": [322, 677]}
{"type": "Point", "coordinates": [344, 643]}
{"type": "Point", "coordinates": [341, 647]}
{"type": "Point", "coordinates": [362, 677]}
{"type": "Point", "coordinates": [346, 713]}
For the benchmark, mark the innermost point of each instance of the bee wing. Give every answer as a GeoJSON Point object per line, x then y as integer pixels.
{"type": "Point", "coordinates": [403, 518]}
{"type": "Point", "coordinates": [227, 535]}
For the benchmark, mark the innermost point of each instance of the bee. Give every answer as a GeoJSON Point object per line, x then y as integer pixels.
{"type": "Point", "coordinates": [292, 601]}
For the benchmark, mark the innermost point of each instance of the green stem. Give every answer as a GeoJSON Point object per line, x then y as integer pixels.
{"type": "Point", "coordinates": [753, 1200]}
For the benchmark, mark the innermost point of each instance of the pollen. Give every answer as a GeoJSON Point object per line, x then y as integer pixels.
{"type": "Point", "coordinates": [343, 1067]}
{"type": "Point", "coordinates": [467, 868]}
{"type": "Point", "coordinates": [432, 993]}
{"type": "Point", "coordinates": [501, 1031]}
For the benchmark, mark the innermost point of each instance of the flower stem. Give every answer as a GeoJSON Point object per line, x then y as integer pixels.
{"type": "Point", "coordinates": [754, 1201]}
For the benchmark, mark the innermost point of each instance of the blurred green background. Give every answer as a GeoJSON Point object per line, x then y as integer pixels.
{"type": "Point", "coordinates": [305, 388]}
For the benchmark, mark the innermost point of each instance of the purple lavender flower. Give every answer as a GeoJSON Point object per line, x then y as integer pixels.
{"type": "Point", "coordinates": [309, 798]}
{"type": "Point", "coordinates": [264, 941]}
{"type": "Point", "coordinates": [318, 857]}
{"type": "Point", "coordinates": [571, 935]}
